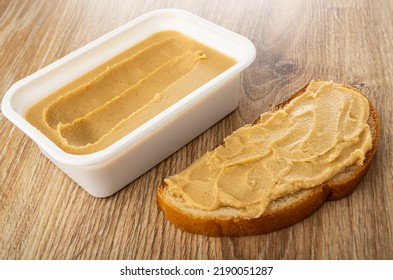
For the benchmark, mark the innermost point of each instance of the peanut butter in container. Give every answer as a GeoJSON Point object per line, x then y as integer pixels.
{"type": "Point", "coordinates": [113, 109]}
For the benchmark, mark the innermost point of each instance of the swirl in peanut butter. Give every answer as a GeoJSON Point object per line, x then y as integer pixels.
{"type": "Point", "coordinates": [306, 143]}
{"type": "Point", "coordinates": [109, 102]}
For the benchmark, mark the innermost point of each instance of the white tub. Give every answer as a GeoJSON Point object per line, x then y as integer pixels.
{"type": "Point", "coordinates": [105, 172]}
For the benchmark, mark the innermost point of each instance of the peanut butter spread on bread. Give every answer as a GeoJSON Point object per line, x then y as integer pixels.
{"type": "Point", "coordinates": [302, 145]}
{"type": "Point", "coordinates": [109, 102]}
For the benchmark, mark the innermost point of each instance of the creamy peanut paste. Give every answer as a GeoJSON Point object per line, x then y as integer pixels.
{"type": "Point", "coordinates": [109, 102]}
{"type": "Point", "coordinates": [313, 138]}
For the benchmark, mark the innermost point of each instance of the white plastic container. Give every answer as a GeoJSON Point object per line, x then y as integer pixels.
{"type": "Point", "coordinates": [105, 172]}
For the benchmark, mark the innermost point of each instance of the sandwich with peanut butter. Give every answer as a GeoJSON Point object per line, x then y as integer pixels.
{"type": "Point", "coordinates": [273, 173]}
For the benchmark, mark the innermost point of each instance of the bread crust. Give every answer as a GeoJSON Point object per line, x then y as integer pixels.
{"type": "Point", "coordinates": [274, 218]}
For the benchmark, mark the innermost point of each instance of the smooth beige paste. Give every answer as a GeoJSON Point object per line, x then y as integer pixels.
{"type": "Point", "coordinates": [106, 104]}
{"type": "Point", "coordinates": [312, 139]}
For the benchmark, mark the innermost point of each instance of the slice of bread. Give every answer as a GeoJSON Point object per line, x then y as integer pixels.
{"type": "Point", "coordinates": [280, 213]}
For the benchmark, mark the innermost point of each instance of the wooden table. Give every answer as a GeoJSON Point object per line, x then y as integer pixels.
{"type": "Point", "coordinates": [45, 215]}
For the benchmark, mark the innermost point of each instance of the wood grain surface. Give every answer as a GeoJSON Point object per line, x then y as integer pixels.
{"type": "Point", "coordinates": [45, 215]}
